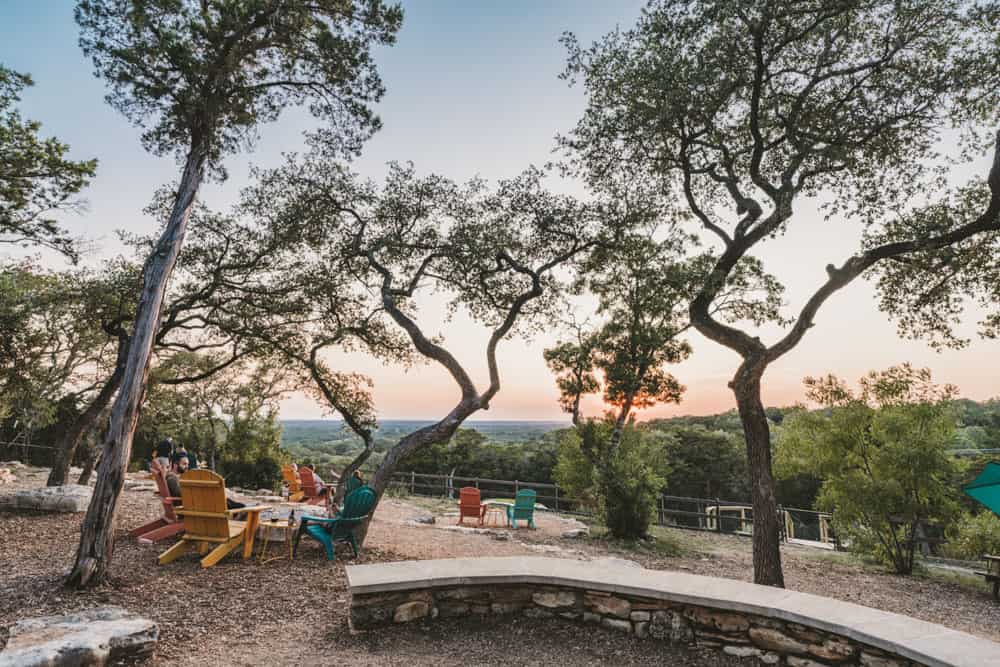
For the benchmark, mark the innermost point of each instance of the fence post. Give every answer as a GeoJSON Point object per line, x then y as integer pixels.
{"type": "Point", "coordinates": [557, 497]}
{"type": "Point", "coordinates": [516, 488]}
{"type": "Point", "coordinates": [477, 482]}
{"type": "Point", "coordinates": [413, 483]}
{"type": "Point", "coordinates": [718, 517]}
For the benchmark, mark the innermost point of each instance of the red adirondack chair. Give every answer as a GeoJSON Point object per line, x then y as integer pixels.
{"type": "Point", "coordinates": [169, 524]}
{"type": "Point", "coordinates": [470, 504]}
{"type": "Point", "coordinates": [310, 487]}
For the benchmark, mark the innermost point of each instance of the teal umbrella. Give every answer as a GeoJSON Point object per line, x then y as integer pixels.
{"type": "Point", "coordinates": [986, 487]}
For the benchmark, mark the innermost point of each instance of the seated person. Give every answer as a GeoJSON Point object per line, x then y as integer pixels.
{"type": "Point", "coordinates": [163, 454]}
{"type": "Point", "coordinates": [181, 452]}
{"type": "Point", "coordinates": [174, 484]}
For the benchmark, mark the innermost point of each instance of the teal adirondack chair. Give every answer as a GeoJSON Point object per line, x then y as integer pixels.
{"type": "Point", "coordinates": [340, 528]}
{"type": "Point", "coordinates": [353, 484]}
{"type": "Point", "coordinates": [523, 508]}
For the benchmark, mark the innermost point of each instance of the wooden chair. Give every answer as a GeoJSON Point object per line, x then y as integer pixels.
{"type": "Point", "coordinates": [169, 524]}
{"type": "Point", "coordinates": [310, 487]}
{"type": "Point", "coordinates": [357, 506]}
{"type": "Point", "coordinates": [470, 505]}
{"type": "Point", "coordinates": [523, 508]}
{"type": "Point", "coordinates": [292, 481]}
{"type": "Point", "coordinates": [208, 525]}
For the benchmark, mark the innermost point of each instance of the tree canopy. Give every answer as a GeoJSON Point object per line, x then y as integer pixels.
{"type": "Point", "coordinates": [37, 180]}
{"type": "Point", "coordinates": [740, 111]}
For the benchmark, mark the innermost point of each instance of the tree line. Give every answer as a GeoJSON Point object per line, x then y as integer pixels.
{"type": "Point", "coordinates": [707, 127]}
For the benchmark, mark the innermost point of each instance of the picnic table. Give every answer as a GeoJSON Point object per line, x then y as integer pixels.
{"type": "Point", "coordinates": [992, 573]}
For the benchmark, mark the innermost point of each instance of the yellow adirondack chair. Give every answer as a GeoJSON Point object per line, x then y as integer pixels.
{"type": "Point", "coordinates": [207, 522]}
{"type": "Point", "coordinates": [295, 493]}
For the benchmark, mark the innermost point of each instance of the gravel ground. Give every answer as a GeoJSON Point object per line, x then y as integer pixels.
{"type": "Point", "coordinates": [241, 613]}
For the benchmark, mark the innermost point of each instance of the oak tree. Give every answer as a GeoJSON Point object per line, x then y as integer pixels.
{"type": "Point", "coordinates": [740, 111]}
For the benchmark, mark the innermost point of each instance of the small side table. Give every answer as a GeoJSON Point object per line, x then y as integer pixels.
{"type": "Point", "coordinates": [494, 513]}
{"type": "Point", "coordinates": [268, 526]}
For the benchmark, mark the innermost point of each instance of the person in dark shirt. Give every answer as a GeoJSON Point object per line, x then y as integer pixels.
{"type": "Point", "coordinates": [180, 452]}
{"type": "Point", "coordinates": [163, 453]}
{"type": "Point", "coordinates": [174, 483]}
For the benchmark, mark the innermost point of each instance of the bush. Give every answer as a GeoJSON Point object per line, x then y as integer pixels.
{"type": "Point", "coordinates": [972, 536]}
{"type": "Point", "coordinates": [624, 485]}
{"type": "Point", "coordinates": [261, 474]}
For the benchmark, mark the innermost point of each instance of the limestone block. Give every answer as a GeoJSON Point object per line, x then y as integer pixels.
{"type": "Point", "coordinates": [642, 629]}
{"type": "Point", "coordinates": [796, 661]}
{"type": "Point", "coordinates": [742, 651]}
{"type": "Point", "coordinates": [411, 611]}
{"type": "Point", "coordinates": [720, 620]}
{"type": "Point", "coordinates": [535, 612]}
{"type": "Point", "coordinates": [92, 637]}
{"type": "Point", "coordinates": [67, 498]}
{"type": "Point", "coordinates": [608, 605]}
{"type": "Point", "coordinates": [639, 616]}
{"type": "Point", "coordinates": [775, 640]}
{"type": "Point", "coordinates": [871, 660]}
{"type": "Point", "coordinates": [554, 599]}
{"type": "Point", "coordinates": [833, 650]}
{"type": "Point", "coordinates": [617, 624]}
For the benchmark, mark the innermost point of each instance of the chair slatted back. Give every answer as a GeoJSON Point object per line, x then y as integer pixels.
{"type": "Point", "coordinates": [524, 504]}
{"type": "Point", "coordinates": [160, 477]}
{"type": "Point", "coordinates": [469, 500]}
{"type": "Point", "coordinates": [291, 479]}
{"type": "Point", "coordinates": [353, 484]}
{"type": "Point", "coordinates": [204, 492]}
{"type": "Point", "coordinates": [308, 482]}
{"type": "Point", "coordinates": [358, 503]}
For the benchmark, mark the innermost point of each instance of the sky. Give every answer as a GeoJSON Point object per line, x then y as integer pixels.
{"type": "Point", "coordinates": [472, 90]}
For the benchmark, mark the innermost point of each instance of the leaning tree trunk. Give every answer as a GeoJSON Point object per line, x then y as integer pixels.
{"type": "Point", "coordinates": [439, 432]}
{"type": "Point", "coordinates": [766, 526]}
{"type": "Point", "coordinates": [59, 474]}
{"type": "Point", "coordinates": [93, 556]}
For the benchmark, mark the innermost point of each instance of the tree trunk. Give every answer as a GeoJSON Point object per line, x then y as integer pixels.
{"type": "Point", "coordinates": [88, 465]}
{"type": "Point", "coordinates": [59, 474]}
{"type": "Point", "coordinates": [766, 525]}
{"type": "Point", "coordinates": [439, 432]}
{"type": "Point", "coordinates": [93, 556]}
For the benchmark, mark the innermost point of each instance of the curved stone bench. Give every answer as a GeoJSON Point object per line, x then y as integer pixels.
{"type": "Point", "coordinates": [777, 626]}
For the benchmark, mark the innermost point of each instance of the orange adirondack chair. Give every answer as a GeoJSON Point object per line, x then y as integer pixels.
{"type": "Point", "coordinates": [208, 526]}
{"type": "Point", "coordinates": [294, 485]}
{"type": "Point", "coordinates": [169, 524]}
{"type": "Point", "coordinates": [470, 504]}
{"type": "Point", "coordinates": [309, 487]}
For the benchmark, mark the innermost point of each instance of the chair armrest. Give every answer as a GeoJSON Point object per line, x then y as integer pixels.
{"type": "Point", "coordinates": [171, 499]}
{"type": "Point", "coordinates": [253, 508]}
{"type": "Point", "coordinates": [317, 519]}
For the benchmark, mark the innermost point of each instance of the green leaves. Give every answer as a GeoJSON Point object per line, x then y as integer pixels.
{"type": "Point", "coordinates": [36, 179]}
{"type": "Point", "coordinates": [882, 455]}
{"type": "Point", "coordinates": [206, 74]}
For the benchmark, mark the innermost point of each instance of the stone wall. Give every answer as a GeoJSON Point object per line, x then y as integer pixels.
{"type": "Point", "coordinates": [771, 641]}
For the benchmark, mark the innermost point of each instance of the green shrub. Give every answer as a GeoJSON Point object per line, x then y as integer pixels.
{"type": "Point", "coordinates": [972, 536]}
{"type": "Point", "coordinates": [623, 483]}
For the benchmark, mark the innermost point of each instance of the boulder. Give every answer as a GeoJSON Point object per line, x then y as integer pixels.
{"type": "Point", "coordinates": [93, 637]}
{"type": "Point", "coordinates": [575, 533]}
{"type": "Point", "coordinates": [428, 519]}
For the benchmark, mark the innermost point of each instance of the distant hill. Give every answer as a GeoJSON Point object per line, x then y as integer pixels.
{"type": "Point", "coordinates": [329, 441]}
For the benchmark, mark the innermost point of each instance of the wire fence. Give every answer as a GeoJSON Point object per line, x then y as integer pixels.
{"type": "Point", "coordinates": [706, 514]}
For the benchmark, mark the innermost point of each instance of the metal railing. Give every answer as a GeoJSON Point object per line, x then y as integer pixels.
{"type": "Point", "coordinates": [708, 514]}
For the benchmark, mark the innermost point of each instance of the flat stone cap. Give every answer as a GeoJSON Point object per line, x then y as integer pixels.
{"type": "Point", "coordinates": [928, 643]}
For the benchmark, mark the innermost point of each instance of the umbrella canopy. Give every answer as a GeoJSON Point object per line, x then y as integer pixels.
{"type": "Point", "coordinates": [986, 487]}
